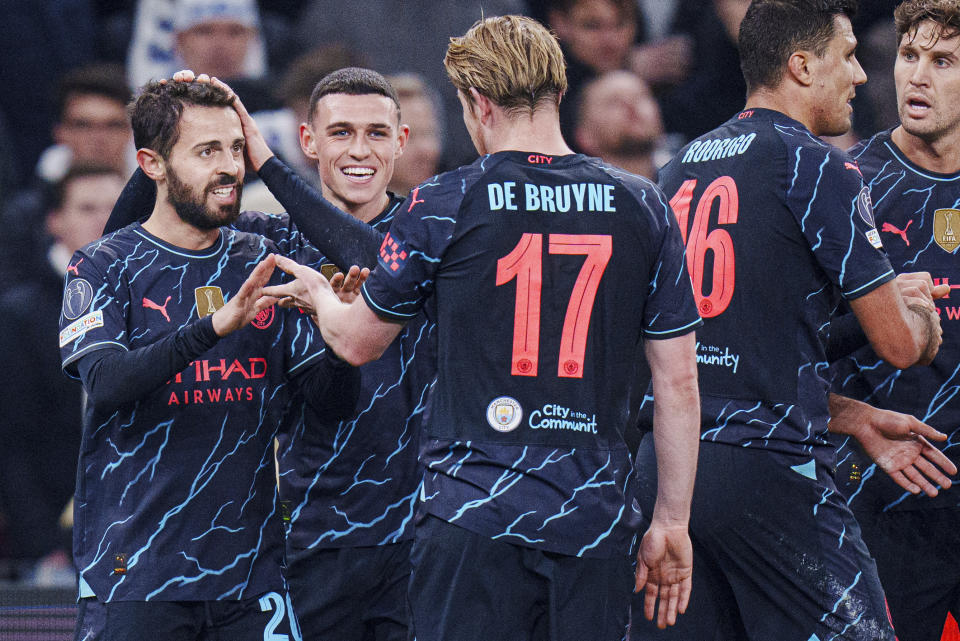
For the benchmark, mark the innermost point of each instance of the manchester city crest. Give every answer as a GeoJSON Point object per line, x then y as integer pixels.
{"type": "Point", "coordinates": [504, 414]}
{"type": "Point", "coordinates": [946, 227]}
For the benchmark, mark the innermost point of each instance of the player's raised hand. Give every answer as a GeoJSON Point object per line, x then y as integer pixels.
{"type": "Point", "coordinates": [664, 572]}
{"type": "Point", "coordinates": [347, 286]}
{"type": "Point", "coordinates": [249, 300]}
{"type": "Point", "coordinates": [308, 291]}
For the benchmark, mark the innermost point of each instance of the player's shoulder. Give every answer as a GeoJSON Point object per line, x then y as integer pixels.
{"type": "Point", "coordinates": [115, 245]}
{"type": "Point", "coordinates": [259, 222]}
{"type": "Point", "coordinates": [254, 243]}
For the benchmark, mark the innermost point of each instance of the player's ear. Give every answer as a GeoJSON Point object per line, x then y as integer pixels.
{"type": "Point", "coordinates": [151, 163]}
{"type": "Point", "coordinates": [799, 66]}
{"type": "Point", "coordinates": [483, 106]}
{"type": "Point", "coordinates": [308, 142]}
{"type": "Point", "coordinates": [402, 136]}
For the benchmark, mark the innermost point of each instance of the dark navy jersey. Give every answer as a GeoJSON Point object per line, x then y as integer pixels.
{"type": "Point", "coordinates": [778, 226]}
{"type": "Point", "coordinates": [176, 493]}
{"type": "Point", "coordinates": [548, 271]}
{"type": "Point", "coordinates": [355, 482]}
{"type": "Point", "coordinates": [918, 215]}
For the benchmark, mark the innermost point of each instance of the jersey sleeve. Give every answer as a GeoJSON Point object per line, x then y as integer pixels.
{"type": "Point", "coordinates": [832, 205]}
{"type": "Point", "coordinates": [671, 309]}
{"type": "Point", "coordinates": [284, 233]}
{"type": "Point", "coordinates": [409, 256]}
{"type": "Point", "coordinates": [92, 315]}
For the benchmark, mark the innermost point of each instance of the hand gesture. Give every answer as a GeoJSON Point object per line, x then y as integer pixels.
{"type": "Point", "coordinates": [664, 571]}
{"type": "Point", "coordinates": [347, 286]}
{"type": "Point", "coordinates": [249, 300]}
{"type": "Point", "coordinates": [898, 444]}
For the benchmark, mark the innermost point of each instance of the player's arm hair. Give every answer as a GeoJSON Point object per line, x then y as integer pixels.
{"type": "Point", "coordinates": [342, 238]}
{"type": "Point", "coordinates": [900, 334]}
{"type": "Point", "coordinates": [114, 377]}
{"type": "Point", "coordinates": [676, 423]}
{"type": "Point", "coordinates": [136, 201]}
{"type": "Point", "coordinates": [331, 387]}
{"type": "Point", "coordinates": [844, 337]}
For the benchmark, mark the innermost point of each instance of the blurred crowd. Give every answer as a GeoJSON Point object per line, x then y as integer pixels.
{"type": "Point", "coordinates": [645, 77]}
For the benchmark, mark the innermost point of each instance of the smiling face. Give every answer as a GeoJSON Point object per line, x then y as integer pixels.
{"type": "Point", "coordinates": [927, 74]}
{"type": "Point", "coordinates": [204, 173]}
{"type": "Point", "coordinates": [355, 140]}
{"type": "Point", "coordinates": [836, 76]}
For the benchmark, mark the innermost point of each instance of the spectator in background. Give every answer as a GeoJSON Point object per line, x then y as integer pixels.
{"type": "Point", "coordinates": [221, 38]}
{"type": "Point", "coordinates": [420, 110]}
{"type": "Point", "coordinates": [91, 127]}
{"type": "Point", "coordinates": [716, 89]}
{"type": "Point", "coordinates": [619, 121]}
{"type": "Point", "coordinates": [41, 408]}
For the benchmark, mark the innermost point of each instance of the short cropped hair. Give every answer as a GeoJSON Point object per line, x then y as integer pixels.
{"type": "Point", "coordinates": [512, 60]}
{"type": "Point", "coordinates": [353, 81]}
{"type": "Point", "coordinates": [104, 80]}
{"type": "Point", "coordinates": [944, 13]}
{"type": "Point", "coordinates": [156, 112]}
{"type": "Point", "coordinates": [772, 30]}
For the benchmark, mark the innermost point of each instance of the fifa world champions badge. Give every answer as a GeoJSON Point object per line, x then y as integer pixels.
{"type": "Point", "coordinates": [209, 300]}
{"type": "Point", "coordinates": [946, 226]}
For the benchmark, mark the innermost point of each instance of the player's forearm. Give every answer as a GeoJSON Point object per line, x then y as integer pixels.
{"type": "Point", "coordinates": [114, 377]}
{"type": "Point", "coordinates": [676, 425]}
{"type": "Point", "coordinates": [339, 236]}
{"type": "Point", "coordinates": [846, 415]}
{"type": "Point", "coordinates": [901, 335]}
{"type": "Point", "coordinates": [135, 201]}
{"type": "Point", "coordinates": [353, 331]}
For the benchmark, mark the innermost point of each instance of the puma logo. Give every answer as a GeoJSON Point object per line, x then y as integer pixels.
{"type": "Point", "coordinates": [902, 233]}
{"type": "Point", "coordinates": [414, 201]}
{"type": "Point", "coordinates": [149, 304]}
{"type": "Point", "coordinates": [73, 268]}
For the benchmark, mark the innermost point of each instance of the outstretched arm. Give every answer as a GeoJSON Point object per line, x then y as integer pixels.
{"type": "Point", "coordinates": [896, 442]}
{"type": "Point", "coordinates": [665, 559]}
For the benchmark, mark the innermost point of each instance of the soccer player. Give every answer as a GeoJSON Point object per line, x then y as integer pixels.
{"type": "Point", "coordinates": [350, 486]}
{"type": "Point", "coordinates": [177, 523]}
{"type": "Point", "coordinates": [546, 271]}
{"type": "Point", "coordinates": [779, 227]}
{"type": "Point", "coordinates": [913, 172]}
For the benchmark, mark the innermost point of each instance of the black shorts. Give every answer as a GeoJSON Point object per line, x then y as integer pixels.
{"type": "Point", "coordinates": [254, 619]}
{"type": "Point", "coordinates": [351, 594]}
{"type": "Point", "coordinates": [777, 555]}
{"type": "Point", "coordinates": [918, 559]}
{"type": "Point", "coordinates": [468, 587]}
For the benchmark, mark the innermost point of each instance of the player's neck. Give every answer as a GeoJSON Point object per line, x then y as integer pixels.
{"type": "Point", "coordinates": [166, 224]}
{"type": "Point", "coordinates": [361, 211]}
{"type": "Point", "coordinates": [782, 101]}
{"type": "Point", "coordinates": [539, 133]}
{"type": "Point", "coordinates": [941, 155]}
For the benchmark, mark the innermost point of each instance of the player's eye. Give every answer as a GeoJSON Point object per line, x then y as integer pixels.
{"type": "Point", "coordinates": [238, 147]}
{"type": "Point", "coordinates": [206, 152]}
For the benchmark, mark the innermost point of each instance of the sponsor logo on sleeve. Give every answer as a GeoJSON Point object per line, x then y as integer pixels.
{"type": "Point", "coordinates": [77, 296]}
{"type": "Point", "coordinates": [209, 300]}
{"type": "Point", "coordinates": [392, 253]}
{"type": "Point", "coordinates": [504, 414]}
{"type": "Point", "coordinates": [78, 328]}
{"type": "Point", "coordinates": [946, 226]}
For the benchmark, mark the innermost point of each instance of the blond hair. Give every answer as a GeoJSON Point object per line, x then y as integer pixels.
{"type": "Point", "coordinates": [512, 60]}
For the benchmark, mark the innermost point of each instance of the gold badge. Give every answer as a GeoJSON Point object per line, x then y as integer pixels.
{"type": "Point", "coordinates": [329, 270]}
{"type": "Point", "coordinates": [946, 227]}
{"type": "Point", "coordinates": [209, 300]}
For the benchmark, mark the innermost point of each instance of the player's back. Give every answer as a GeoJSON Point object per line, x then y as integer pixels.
{"type": "Point", "coordinates": [548, 270]}
{"type": "Point", "coordinates": [776, 225]}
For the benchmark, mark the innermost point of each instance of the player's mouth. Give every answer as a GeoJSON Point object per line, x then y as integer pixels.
{"type": "Point", "coordinates": [917, 106]}
{"type": "Point", "coordinates": [358, 174]}
{"type": "Point", "coordinates": [225, 194]}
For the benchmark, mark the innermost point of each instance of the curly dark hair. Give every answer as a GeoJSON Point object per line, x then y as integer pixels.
{"type": "Point", "coordinates": [155, 113]}
{"type": "Point", "coordinates": [944, 13]}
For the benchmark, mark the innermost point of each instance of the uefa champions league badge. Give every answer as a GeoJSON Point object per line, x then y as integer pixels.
{"type": "Point", "coordinates": [504, 414]}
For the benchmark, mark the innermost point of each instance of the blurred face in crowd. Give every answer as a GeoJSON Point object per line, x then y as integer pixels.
{"type": "Point", "coordinates": [217, 48]}
{"type": "Point", "coordinates": [204, 173]}
{"type": "Point", "coordinates": [96, 130]}
{"type": "Point", "coordinates": [597, 33]}
{"type": "Point", "coordinates": [86, 206]}
{"type": "Point", "coordinates": [835, 79]}
{"type": "Point", "coordinates": [618, 116]}
{"type": "Point", "coordinates": [422, 152]}
{"type": "Point", "coordinates": [927, 74]}
{"type": "Point", "coordinates": [356, 141]}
